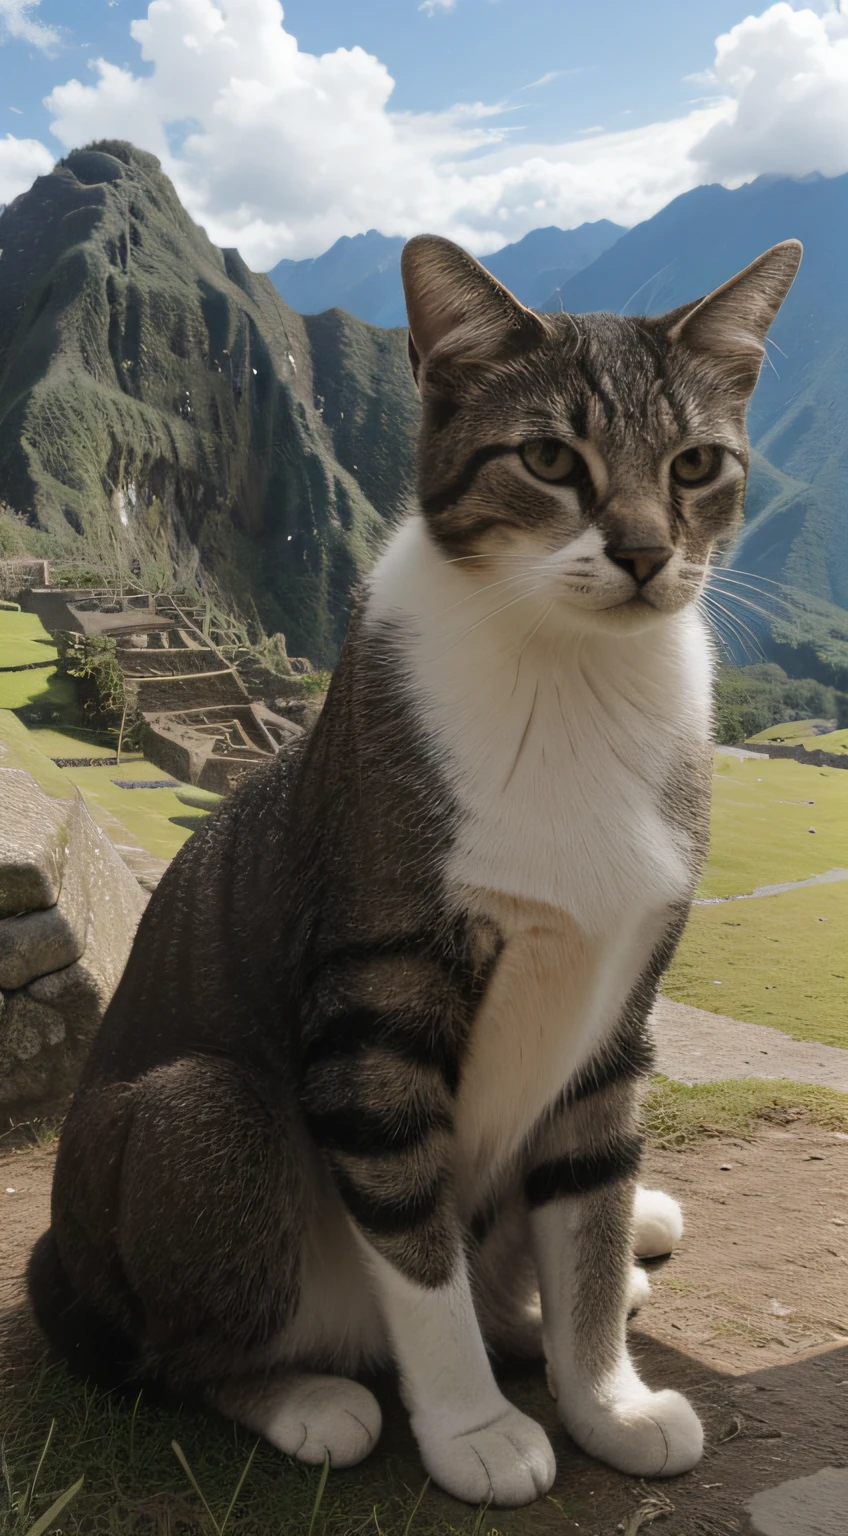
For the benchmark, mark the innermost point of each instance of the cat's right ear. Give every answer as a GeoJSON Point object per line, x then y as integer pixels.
{"type": "Point", "coordinates": [457, 310]}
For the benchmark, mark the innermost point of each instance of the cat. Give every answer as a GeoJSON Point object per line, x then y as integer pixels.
{"type": "Point", "coordinates": [369, 1086]}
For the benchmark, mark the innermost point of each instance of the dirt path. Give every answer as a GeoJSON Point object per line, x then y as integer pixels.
{"type": "Point", "coordinates": [695, 1046]}
{"type": "Point", "coordinates": [750, 1318]}
{"type": "Point", "coordinates": [828, 878]}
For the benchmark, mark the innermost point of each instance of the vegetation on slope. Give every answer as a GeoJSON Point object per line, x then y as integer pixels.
{"type": "Point", "coordinates": [750, 699]}
{"type": "Point", "coordinates": [161, 403]}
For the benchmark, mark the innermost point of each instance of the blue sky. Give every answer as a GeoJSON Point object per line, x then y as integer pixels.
{"type": "Point", "coordinates": [616, 58]}
{"type": "Point", "coordinates": [479, 118]}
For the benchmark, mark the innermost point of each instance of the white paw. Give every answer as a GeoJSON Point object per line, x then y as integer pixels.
{"type": "Point", "coordinates": [638, 1288]}
{"type": "Point", "coordinates": [648, 1434]}
{"type": "Point", "coordinates": [316, 1414]}
{"type": "Point", "coordinates": [506, 1462]}
{"type": "Point", "coordinates": [658, 1223]}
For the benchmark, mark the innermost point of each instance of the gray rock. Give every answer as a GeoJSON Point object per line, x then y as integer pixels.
{"type": "Point", "coordinates": [33, 843]}
{"type": "Point", "coordinates": [47, 940]}
{"type": "Point", "coordinates": [47, 1025]}
{"type": "Point", "coordinates": [806, 1506]}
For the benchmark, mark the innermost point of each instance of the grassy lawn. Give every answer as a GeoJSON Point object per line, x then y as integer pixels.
{"type": "Point", "coordinates": [72, 741]}
{"type": "Point", "coordinates": [778, 960]}
{"type": "Point", "coordinates": [834, 741]}
{"type": "Point", "coordinates": [159, 821]}
{"type": "Point", "coordinates": [793, 731]}
{"type": "Point", "coordinates": [762, 814]}
{"type": "Point", "coordinates": [156, 818]}
{"type": "Point", "coordinates": [800, 731]}
{"type": "Point", "coordinates": [680, 1114]}
{"type": "Point", "coordinates": [24, 640]}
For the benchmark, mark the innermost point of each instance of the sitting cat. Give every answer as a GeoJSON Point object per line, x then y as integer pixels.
{"type": "Point", "coordinates": [369, 1084]}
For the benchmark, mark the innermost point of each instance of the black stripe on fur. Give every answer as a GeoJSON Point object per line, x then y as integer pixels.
{"type": "Point", "coordinates": [581, 1174]}
{"type": "Point", "coordinates": [365, 1131]}
{"type": "Point", "coordinates": [388, 1216]}
{"type": "Point", "coordinates": [461, 484]}
{"type": "Point", "coordinates": [628, 1058]}
{"type": "Point", "coordinates": [352, 1031]}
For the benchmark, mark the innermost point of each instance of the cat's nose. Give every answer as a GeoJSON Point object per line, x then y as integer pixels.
{"type": "Point", "coordinates": [642, 562]}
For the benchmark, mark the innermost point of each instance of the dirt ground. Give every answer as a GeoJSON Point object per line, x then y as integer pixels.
{"type": "Point", "coordinates": [750, 1318]}
{"type": "Point", "coordinates": [694, 1046]}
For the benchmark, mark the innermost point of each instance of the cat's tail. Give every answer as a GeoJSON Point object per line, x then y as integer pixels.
{"type": "Point", "coordinates": [93, 1347]}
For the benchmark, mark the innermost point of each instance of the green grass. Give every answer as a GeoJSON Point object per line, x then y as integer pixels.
{"type": "Point", "coordinates": [73, 741]}
{"type": "Point", "coordinates": [175, 1473]}
{"type": "Point", "coordinates": [778, 960]}
{"type": "Point", "coordinates": [156, 817]}
{"type": "Point", "coordinates": [833, 741]}
{"type": "Point", "coordinates": [792, 731]}
{"type": "Point", "coordinates": [678, 1115]}
{"type": "Point", "coordinates": [761, 820]}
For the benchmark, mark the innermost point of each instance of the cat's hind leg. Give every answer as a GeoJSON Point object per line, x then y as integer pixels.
{"type": "Point", "coordinates": [305, 1415]}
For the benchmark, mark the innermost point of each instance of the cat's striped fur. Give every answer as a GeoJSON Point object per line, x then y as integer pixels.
{"type": "Point", "coordinates": [370, 1080]}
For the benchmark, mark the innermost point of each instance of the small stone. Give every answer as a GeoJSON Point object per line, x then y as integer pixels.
{"type": "Point", "coordinates": [11, 1191]}
{"type": "Point", "coordinates": [725, 1167]}
{"type": "Point", "coordinates": [811, 829]}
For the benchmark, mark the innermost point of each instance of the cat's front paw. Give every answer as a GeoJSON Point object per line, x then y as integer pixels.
{"type": "Point", "coordinates": [314, 1416]}
{"type": "Point", "coordinates": [507, 1461]}
{"type": "Point", "coordinates": [657, 1223]}
{"type": "Point", "coordinates": [648, 1434]}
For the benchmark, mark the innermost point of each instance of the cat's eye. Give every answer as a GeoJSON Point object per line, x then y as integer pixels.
{"type": "Point", "coordinates": [697, 466]}
{"type": "Point", "coordinates": [549, 459]}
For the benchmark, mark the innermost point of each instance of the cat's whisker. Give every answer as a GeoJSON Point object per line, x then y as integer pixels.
{"type": "Point", "coordinates": [736, 625]}
{"type": "Point", "coordinates": [733, 596]}
{"type": "Point", "coordinates": [736, 570]}
{"type": "Point", "coordinates": [478, 592]}
{"type": "Point", "coordinates": [720, 630]}
{"type": "Point", "coordinates": [732, 581]}
{"type": "Point", "coordinates": [533, 632]}
{"type": "Point", "coordinates": [522, 597]}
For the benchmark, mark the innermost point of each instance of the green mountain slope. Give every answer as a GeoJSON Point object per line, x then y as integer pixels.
{"type": "Point", "coordinates": [160, 404]}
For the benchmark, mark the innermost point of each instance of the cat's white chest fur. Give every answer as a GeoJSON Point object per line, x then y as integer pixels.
{"type": "Point", "coordinates": [558, 748]}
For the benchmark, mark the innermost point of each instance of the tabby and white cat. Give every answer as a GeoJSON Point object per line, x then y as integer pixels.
{"type": "Point", "coordinates": [369, 1084]}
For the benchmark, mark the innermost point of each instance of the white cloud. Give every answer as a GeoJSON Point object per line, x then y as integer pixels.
{"type": "Point", "coordinates": [279, 151]}
{"type": "Point", "coordinates": [21, 160]}
{"type": "Point", "coordinates": [17, 20]}
{"type": "Point", "coordinates": [787, 73]}
{"type": "Point", "coordinates": [432, 7]}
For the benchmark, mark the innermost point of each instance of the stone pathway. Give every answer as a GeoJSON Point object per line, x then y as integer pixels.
{"type": "Point", "coordinates": [828, 878]}
{"type": "Point", "coordinates": [695, 1046]}
{"type": "Point", "coordinates": [739, 752]}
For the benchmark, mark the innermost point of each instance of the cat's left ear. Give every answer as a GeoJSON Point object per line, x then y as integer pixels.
{"type": "Point", "coordinates": [457, 308]}
{"type": "Point", "coordinates": [730, 324]}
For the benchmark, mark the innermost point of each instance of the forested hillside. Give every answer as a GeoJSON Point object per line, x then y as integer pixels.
{"type": "Point", "coordinates": [160, 402]}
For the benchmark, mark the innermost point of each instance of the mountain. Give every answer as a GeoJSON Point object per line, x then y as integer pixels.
{"type": "Point", "coordinates": [362, 274]}
{"type": "Point", "coordinates": [162, 409]}
{"type": "Point", "coordinates": [541, 263]}
{"type": "Point", "coordinates": [797, 510]}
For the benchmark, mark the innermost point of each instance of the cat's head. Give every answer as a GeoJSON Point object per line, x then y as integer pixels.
{"type": "Point", "coordinates": [604, 456]}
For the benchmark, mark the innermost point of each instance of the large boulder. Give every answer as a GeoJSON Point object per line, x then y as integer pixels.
{"type": "Point", "coordinates": [69, 908]}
